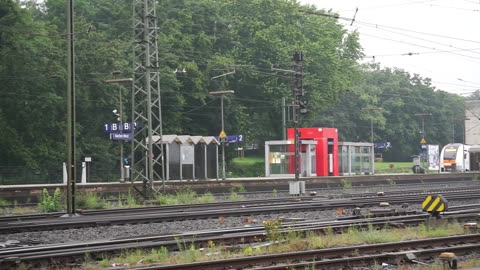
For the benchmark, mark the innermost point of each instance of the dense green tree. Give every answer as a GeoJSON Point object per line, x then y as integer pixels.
{"type": "Point", "coordinates": [393, 100]}
{"type": "Point", "coordinates": [30, 96]}
{"type": "Point", "coordinates": [207, 39]}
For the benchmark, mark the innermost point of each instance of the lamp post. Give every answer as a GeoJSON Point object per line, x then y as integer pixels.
{"type": "Point", "coordinates": [120, 120]}
{"type": "Point", "coordinates": [371, 137]}
{"type": "Point", "coordinates": [371, 121]}
{"type": "Point", "coordinates": [424, 153]}
{"type": "Point", "coordinates": [465, 119]}
{"type": "Point", "coordinates": [221, 94]}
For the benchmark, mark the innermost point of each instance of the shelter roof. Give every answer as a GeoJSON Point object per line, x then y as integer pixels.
{"type": "Point", "coordinates": [183, 139]}
{"type": "Point", "coordinates": [210, 139]}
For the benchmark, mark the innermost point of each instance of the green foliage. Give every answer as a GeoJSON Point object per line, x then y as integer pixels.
{"type": "Point", "coordinates": [239, 188]}
{"type": "Point", "coordinates": [187, 249]}
{"type": "Point", "coordinates": [104, 263]}
{"type": "Point", "coordinates": [132, 200]}
{"type": "Point", "coordinates": [272, 230]}
{"type": "Point", "coordinates": [90, 201]}
{"type": "Point", "coordinates": [166, 199]}
{"type": "Point", "coordinates": [234, 196]}
{"type": "Point", "coordinates": [186, 196]}
{"type": "Point", "coordinates": [207, 38]}
{"type": "Point", "coordinates": [248, 251]}
{"type": "Point", "coordinates": [206, 198]}
{"type": "Point", "coordinates": [393, 167]}
{"type": "Point", "coordinates": [51, 203]}
{"type": "Point", "coordinates": [346, 184]}
{"type": "Point", "coordinates": [191, 254]}
{"type": "Point", "coordinates": [158, 255]}
{"type": "Point", "coordinates": [247, 167]}
{"type": "Point", "coordinates": [3, 202]}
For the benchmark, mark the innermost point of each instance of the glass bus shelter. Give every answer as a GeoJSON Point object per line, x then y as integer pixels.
{"type": "Point", "coordinates": [356, 158]}
{"type": "Point", "coordinates": [280, 158]}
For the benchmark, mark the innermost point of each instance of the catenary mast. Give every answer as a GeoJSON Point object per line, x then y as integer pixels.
{"type": "Point", "coordinates": [147, 155]}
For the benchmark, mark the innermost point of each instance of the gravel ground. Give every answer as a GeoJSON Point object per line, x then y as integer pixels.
{"type": "Point", "coordinates": [112, 232]}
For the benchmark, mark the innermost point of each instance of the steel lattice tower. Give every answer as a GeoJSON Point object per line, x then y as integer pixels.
{"type": "Point", "coordinates": [147, 156]}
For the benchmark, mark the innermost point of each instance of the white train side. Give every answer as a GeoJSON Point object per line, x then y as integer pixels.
{"type": "Point", "coordinates": [460, 157]}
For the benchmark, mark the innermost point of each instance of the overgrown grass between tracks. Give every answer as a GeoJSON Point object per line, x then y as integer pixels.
{"type": "Point", "coordinates": [281, 241]}
{"type": "Point", "coordinates": [90, 200]}
{"type": "Point", "coordinates": [186, 196]}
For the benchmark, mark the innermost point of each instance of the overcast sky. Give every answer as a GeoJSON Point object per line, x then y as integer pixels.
{"type": "Point", "coordinates": [438, 39]}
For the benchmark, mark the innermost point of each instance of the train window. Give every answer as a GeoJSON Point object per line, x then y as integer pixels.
{"type": "Point", "coordinates": [450, 155]}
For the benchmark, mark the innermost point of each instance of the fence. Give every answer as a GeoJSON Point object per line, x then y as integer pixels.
{"type": "Point", "coordinates": [17, 175]}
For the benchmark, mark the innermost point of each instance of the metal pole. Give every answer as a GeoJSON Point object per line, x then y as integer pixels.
{"type": "Point", "coordinates": [423, 127]}
{"type": "Point", "coordinates": [297, 154]}
{"type": "Point", "coordinates": [371, 129]}
{"type": "Point", "coordinates": [453, 129]}
{"type": "Point", "coordinates": [284, 121]}
{"type": "Point", "coordinates": [120, 119]}
{"type": "Point", "coordinates": [223, 142]}
{"type": "Point", "coordinates": [372, 156]}
{"type": "Point", "coordinates": [71, 166]}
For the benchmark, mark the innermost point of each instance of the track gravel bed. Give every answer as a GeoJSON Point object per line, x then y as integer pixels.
{"type": "Point", "coordinates": [113, 232]}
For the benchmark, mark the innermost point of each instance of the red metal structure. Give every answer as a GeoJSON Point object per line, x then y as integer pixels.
{"type": "Point", "coordinates": [326, 150]}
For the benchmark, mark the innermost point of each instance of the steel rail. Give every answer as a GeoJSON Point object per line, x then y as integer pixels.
{"type": "Point", "coordinates": [255, 202]}
{"type": "Point", "coordinates": [200, 238]}
{"type": "Point", "coordinates": [166, 208]}
{"type": "Point", "coordinates": [336, 256]}
{"type": "Point", "coordinates": [155, 215]}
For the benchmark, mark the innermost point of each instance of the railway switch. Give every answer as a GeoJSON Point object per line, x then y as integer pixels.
{"type": "Point", "coordinates": [449, 260]}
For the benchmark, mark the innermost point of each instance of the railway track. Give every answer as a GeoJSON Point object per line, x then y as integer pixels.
{"type": "Point", "coordinates": [70, 252]}
{"type": "Point", "coordinates": [205, 211]}
{"type": "Point", "coordinates": [332, 258]}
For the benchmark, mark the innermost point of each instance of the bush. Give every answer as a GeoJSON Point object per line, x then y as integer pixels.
{"type": "Point", "coordinates": [49, 203]}
{"type": "Point", "coordinates": [90, 201]}
{"type": "Point", "coordinates": [246, 169]}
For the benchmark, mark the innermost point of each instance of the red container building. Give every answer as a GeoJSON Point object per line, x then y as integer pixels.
{"type": "Point", "coordinates": [326, 150]}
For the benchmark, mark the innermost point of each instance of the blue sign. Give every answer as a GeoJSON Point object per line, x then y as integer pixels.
{"type": "Point", "coordinates": [121, 136]}
{"type": "Point", "coordinates": [382, 145]}
{"type": "Point", "coordinates": [233, 138]}
{"type": "Point", "coordinates": [116, 127]}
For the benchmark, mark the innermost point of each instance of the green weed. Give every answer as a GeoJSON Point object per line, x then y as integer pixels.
{"type": "Point", "coordinates": [186, 196]}
{"type": "Point", "coordinates": [3, 202]}
{"type": "Point", "coordinates": [272, 228]}
{"type": "Point", "coordinates": [346, 184]}
{"type": "Point", "coordinates": [234, 196]}
{"type": "Point", "coordinates": [90, 201]}
{"type": "Point", "coordinates": [51, 203]}
{"type": "Point", "coordinates": [205, 198]}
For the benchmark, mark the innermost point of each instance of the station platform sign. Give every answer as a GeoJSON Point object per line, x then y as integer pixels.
{"type": "Point", "coordinates": [124, 127]}
{"type": "Point", "coordinates": [121, 136]}
{"type": "Point", "coordinates": [232, 138]}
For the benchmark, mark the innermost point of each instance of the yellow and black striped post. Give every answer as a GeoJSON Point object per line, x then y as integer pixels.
{"type": "Point", "coordinates": [434, 204]}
